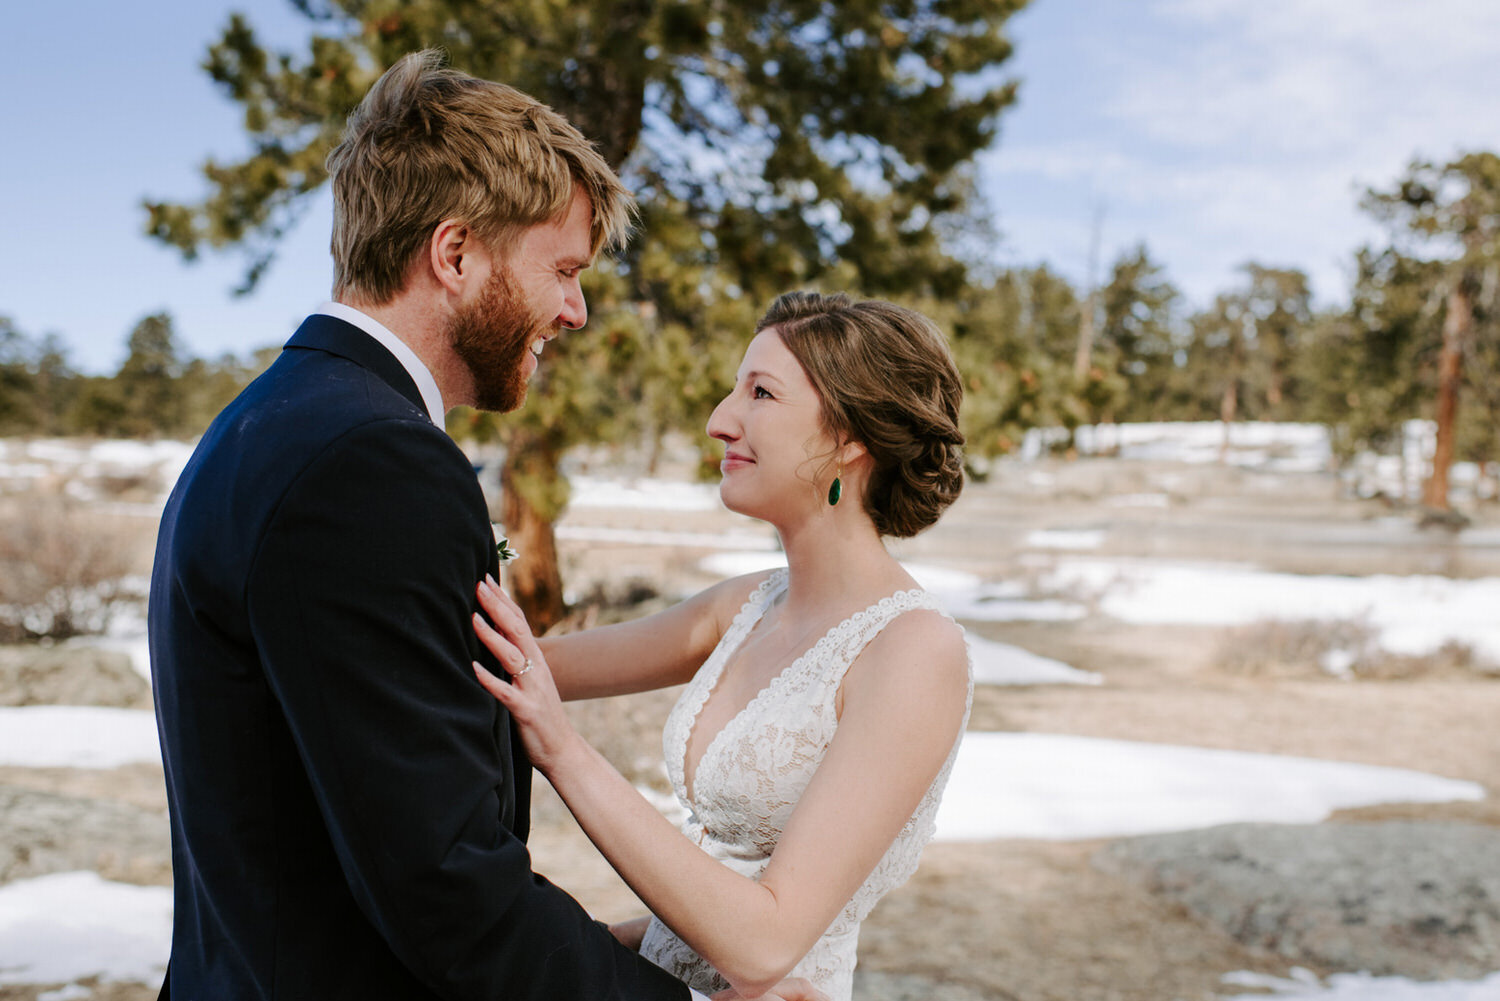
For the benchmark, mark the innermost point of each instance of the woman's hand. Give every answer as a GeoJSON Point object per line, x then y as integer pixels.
{"type": "Point", "coordinates": [530, 694]}
{"type": "Point", "coordinates": [630, 933]}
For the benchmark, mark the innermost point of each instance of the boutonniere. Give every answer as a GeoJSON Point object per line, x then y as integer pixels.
{"type": "Point", "coordinates": [503, 550]}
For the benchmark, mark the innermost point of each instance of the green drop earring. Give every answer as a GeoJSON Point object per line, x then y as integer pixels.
{"type": "Point", "coordinates": [836, 488]}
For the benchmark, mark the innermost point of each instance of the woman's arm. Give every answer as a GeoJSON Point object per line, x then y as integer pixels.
{"type": "Point", "coordinates": [906, 691]}
{"type": "Point", "coordinates": [653, 652]}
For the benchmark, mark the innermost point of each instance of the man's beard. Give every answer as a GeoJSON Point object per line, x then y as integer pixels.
{"type": "Point", "coordinates": [491, 339]}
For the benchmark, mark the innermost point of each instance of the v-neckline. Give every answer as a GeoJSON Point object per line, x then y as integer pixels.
{"type": "Point", "coordinates": [765, 595]}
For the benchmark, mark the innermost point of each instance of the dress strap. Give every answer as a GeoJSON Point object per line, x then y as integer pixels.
{"type": "Point", "coordinates": [847, 640]}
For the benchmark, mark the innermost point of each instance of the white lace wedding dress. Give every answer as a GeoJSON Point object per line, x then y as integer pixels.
{"type": "Point", "coordinates": [754, 771]}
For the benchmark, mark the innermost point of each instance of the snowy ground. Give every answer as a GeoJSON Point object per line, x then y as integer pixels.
{"type": "Point", "coordinates": [69, 926]}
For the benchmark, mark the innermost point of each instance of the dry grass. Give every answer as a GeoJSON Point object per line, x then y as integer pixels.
{"type": "Point", "coordinates": [61, 568]}
{"type": "Point", "coordinates": [1344, 648]}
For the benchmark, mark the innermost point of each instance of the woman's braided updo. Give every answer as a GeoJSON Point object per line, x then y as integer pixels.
{"type": "Point", "coordinates": [886, 379]}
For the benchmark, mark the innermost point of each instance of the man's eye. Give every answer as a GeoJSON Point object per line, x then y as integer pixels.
{"type": "Point", "coordinates": [761, 393]}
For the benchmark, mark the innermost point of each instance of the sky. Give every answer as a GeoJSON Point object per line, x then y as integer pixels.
{"type": "Point", "coordinates": [1213, 131]}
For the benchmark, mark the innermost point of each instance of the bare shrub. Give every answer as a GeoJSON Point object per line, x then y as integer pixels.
{"type": "Point", "coordinates": [133, 486]}
{"type": "Point", "coordinates": [1345, 648]}
{"type": "Point", "coordinates": [1295, 648]}
{"type": "Point", "coordinates": [1451, 659]}
{"type": "Point", "coordinates": [61, 570]}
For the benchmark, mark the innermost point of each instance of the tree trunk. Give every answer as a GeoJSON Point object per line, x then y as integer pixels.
{"type": "Point", "coordinates": [534, 579]}
{"type": "Point", "coordinates": [1274, 392]}
{"type": "Point", "coordinates": [610, 93]}
{"type": "Point", "coordinates": [1456, 326]}
{"type": "Point", "coordinates": [1083, 355]}
{"type": "Point", "coordinates": [1229, 406]}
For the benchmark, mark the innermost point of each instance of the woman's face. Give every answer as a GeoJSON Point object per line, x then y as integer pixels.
{"type": "Point", "coordinates": [771, 427]}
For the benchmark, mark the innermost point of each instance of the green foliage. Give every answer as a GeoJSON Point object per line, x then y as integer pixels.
{"type": "Point", "coordinates": [775, 144]}
{"type": "Point", "coordinates": [35, 382]}
{"type": "Point", "coordinates": [1439, 283]}
{"type": "Point", "coordinates": [1238, 356]}
{"type": "Point", "coordinates": [1278, 302]}
{"type": "Point", "coordinates": [798, 134]}
{"type": "Point", "coordinates": [1364, 368]}
{"type": "Point", "coordinates": [1448, 212]}
{"type": "Point", "coordinates": [157, 392]}
{"type": "Point", "coordinates": [1007, 340]}
{"type": "Point", "coordinates": [145, 389]}
{"type": "Point", "coordinates": [772, 145]}
{"type": "Point", "coordinates": [1139, 340]}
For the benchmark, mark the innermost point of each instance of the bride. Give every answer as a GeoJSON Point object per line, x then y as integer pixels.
{"type": "Point", "coordinates": [824, 701]}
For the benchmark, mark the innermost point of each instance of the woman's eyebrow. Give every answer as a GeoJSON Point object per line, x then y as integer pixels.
{"type": "Point", "coordinates": [761, 374]}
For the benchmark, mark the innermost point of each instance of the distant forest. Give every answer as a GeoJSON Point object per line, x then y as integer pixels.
{"type": "Point", "coordinates": [1418, 340]}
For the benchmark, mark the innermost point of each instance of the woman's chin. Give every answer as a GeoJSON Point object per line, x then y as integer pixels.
{"type": "Point", "coordinates": [728, 498]}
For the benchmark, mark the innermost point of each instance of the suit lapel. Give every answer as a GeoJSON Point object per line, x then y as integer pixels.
{"type": "Point", "coordinates": [321, 332]}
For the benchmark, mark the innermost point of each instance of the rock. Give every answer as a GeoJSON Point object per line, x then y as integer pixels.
{"type": "Point", "coordinates": [73, 675]}
{"type": "Point", "coordinates": [45, 833]}
{"type": "Point", "coordinates": [1415, 899]}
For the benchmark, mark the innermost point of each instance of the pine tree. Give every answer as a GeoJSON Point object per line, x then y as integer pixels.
{"type": "Point", "coordinates": [147, 381]}
{"type": "Point", "coordinates": [36, 382]}
{"type": "Point", "coordinates": [772, 144]}
{"type": "Point", "coordinates": [1450, 213]}
{"type": "Point", "coordinates": [1138, 339]}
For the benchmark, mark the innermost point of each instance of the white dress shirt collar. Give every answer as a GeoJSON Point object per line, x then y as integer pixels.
{"type": "Point", "coordinates": [432, 397]}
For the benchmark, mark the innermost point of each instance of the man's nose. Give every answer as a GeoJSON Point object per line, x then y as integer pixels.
{"type": "Point", "coordinates": [575, 311]}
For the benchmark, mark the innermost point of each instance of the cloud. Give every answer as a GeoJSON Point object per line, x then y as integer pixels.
{"type": "Point", "coordinates": [1218, 132]}
{"type": "Point", "coordinates": [1322, 79]}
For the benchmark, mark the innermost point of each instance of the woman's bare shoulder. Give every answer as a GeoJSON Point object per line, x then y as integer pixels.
{"type": "Point", "coordinates": [924, 638]}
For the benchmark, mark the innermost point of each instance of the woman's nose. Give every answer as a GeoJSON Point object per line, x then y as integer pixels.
{"type": "Point", "coordinates": [719, 423]}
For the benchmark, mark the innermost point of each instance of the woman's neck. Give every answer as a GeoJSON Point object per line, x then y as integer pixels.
{"type": "Point", "coordinates": [834, 562]}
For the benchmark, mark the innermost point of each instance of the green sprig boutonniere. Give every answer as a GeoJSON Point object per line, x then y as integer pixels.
{"type": "Point", "coordinates": [503, 550]}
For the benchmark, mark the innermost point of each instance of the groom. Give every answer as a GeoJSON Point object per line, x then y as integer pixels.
{"type": "Point", "coordinates": [348, 805]}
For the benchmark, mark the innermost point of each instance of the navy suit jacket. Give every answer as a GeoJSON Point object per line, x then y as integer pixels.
{"type": "Point", "coordinates": [348, 806]}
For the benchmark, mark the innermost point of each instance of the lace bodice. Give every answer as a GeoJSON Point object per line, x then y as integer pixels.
{"type": "Point", "coordinates": [753, 772]}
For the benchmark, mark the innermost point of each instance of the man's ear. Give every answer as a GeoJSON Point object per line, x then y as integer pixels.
{"type": "Point", "coordinates": [452, 253]}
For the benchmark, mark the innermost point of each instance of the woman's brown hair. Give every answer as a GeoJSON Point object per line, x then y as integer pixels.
{"type": "Point", "coordinates": [887, 380]}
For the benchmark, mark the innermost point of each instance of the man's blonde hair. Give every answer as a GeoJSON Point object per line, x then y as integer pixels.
{"type": "Point", "coordinates": [430, 143]}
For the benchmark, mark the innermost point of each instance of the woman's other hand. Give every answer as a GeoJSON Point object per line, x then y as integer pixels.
{"type": "Point", "coordinates": [530, 695]}
{"type": "Point", "coordinates": [630, 933]}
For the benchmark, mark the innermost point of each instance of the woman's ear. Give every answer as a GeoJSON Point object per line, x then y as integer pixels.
{"type": "Point", "coordinates": [851, 452]}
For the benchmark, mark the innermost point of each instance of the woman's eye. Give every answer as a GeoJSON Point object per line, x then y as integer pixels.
{"type": "Point", "coordinates": [761, 393]}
